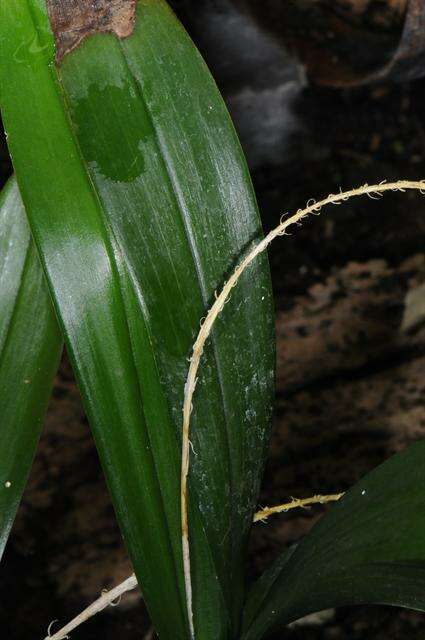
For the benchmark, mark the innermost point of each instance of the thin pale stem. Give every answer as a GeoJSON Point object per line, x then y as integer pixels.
{"type": "Point", "coordinates": [295, 503]}
{"type": "Point", "coordinates": [312, 207]}
{"type": "Point", "coordinates": [106, 599]}
{"type": "Point", "coordinates": [109, 597]}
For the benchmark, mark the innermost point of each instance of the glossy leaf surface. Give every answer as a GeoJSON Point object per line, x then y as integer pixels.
{"type": "Point", "coordinates": [30, 347]}
{"type": "Point", "coordinates": [369, 549]}
{"type": "Point", "coordinates": [140, 203]}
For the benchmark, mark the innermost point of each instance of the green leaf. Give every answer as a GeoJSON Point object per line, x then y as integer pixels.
{"type": "Point", "coordinates": [140, 203]}
{"type": "Point", "coordinates": [369, 549]}
{"type": "Point", "coordinates": [30, 347]}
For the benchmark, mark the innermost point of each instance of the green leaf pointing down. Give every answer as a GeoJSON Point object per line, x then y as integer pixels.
{"type": "Point", "coordinates": [30, 347]}
{"type": "Point", "coordinates": [140, 203]}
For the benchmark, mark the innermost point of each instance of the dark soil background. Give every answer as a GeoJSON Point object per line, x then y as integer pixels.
{"type": "Point", "coordinates": [350, 309]}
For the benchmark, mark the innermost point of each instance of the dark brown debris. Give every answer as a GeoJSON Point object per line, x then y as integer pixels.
{"type": "Point", "coordinates": [74, 20]}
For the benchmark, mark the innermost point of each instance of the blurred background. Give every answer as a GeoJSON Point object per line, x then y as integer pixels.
{"type": "Point", "coordinates": [324, 94]}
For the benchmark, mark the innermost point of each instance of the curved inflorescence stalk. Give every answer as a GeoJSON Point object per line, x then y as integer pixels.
{"type": "Point", "coordinates": [313, 207]}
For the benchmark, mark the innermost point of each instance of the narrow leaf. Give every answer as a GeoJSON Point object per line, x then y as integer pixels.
{"type": "Point", "coordinates": [140, 203]}
{"type": "Point", "coordinates": [30, 347]}
{"type": "Point", "coordinates": [369, 549]}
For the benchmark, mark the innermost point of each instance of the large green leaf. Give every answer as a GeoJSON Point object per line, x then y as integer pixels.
{"type": "Point", "coordinates": [369, 549]}
{"type": "Point", "coordinates": [140, 203]}
{"type": "Point", "coordinates": [30, 347]}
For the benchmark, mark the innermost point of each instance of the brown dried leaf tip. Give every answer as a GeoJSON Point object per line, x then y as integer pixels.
{"type": "Point", "coordinates": [74, 20]}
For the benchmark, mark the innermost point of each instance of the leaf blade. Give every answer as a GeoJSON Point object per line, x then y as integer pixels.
{"type": "Point", "coordinates": [56, 206]}
{"type": "Point", "coordinates": [149, 317]}
{"type": "Point", "coordinates": [369, 549]}
{"type": "Point", "coordinates": [30, 348]}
